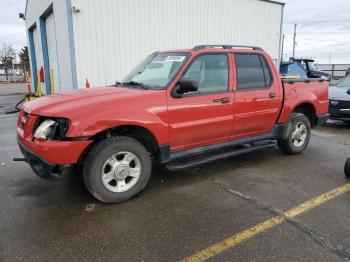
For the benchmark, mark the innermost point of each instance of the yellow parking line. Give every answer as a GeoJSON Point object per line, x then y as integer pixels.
{"type": "Point", "coordinates": [270, 223]}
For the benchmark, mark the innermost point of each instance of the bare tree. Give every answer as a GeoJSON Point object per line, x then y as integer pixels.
{"type": "Point", "coordinates": [7, 57]}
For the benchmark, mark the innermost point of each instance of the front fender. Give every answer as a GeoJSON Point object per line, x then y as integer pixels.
{"type": "Point", "coordinates": [98, 122]}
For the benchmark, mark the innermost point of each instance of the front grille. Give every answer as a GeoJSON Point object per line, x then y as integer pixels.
{"type": "Point", "coordinates": [339, 104]}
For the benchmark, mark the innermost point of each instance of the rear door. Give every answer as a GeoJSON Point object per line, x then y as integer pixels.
{"type": "Point", "coordinates": [206, 116]}
{"type": "Point", "coordinates": [258, 95]}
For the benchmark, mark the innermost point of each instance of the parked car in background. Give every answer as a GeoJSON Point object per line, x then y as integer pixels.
{"type": "Point", "coordinates": [177, 108]}
{"type": "Point", "coordinates": [347, 72]}
{"type": "Point", "coordinates": [305, 68]}
{"type": "Point", "coordinates": [339, 100]}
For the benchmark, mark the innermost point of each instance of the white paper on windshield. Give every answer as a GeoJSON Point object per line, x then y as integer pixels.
{"type": "Point", "coordinates": [175, 58]}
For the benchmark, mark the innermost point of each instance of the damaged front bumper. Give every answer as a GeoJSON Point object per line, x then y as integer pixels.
{"type": "Point", "coordinates": [40, 166]}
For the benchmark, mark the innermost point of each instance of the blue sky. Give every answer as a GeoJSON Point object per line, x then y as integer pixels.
{"type": "Point", "coordinates": [323, 31]}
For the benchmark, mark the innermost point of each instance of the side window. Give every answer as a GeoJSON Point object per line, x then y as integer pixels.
{"type": "Point", "coordinates": [210, 72]}
{"type": "Point", "coordinates": [267, 72]}
{"type": "Point", "coordinates": [252, 72]}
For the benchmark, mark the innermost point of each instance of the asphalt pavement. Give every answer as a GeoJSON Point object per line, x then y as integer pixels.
{"type": "Point", "coordinates": [181, 213]}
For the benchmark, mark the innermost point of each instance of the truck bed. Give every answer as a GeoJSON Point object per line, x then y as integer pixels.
{"type": "Point", "coordinates": [311, 91]}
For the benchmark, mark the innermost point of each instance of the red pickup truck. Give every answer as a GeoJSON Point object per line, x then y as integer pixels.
{"type": "Point", "coordinates": [178, 108]}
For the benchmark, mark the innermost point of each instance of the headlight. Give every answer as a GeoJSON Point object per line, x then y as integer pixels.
{"type": "Point", "coordinates": [45, 129]}
{"type": "Point", "coordinates": [51, 129]}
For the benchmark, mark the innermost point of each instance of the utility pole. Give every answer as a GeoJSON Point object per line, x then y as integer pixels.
{"type": "Point", "coordinates": [294, 42]}
{"type": "Point", "coordinates": [282, 48]}
{"type": "Point", "coordinates": [13, 68]}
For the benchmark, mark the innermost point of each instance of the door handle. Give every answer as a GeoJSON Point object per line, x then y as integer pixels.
{"type": "Point", "coordinates": [222, 100]}
{"type": "Point", "coordinates": [225, 100]}
{"type": "Point", "coordinates": [272, 95]}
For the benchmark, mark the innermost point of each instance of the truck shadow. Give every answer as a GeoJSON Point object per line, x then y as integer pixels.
{"type": "Point", "coordinates": [70, 188]}
{"type": "Point", "coordinates": [337, 124]}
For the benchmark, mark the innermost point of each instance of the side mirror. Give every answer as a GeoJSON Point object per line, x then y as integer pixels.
{"type": "Point", "coordinates": [185, 86]}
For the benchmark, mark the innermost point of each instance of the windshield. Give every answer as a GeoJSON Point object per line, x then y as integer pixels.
{"type": "Point", "coordinates": [156, 71]}
{"type": "Point", "coordinates": [344, 83]}
{"type": "Point", "coordinates": [312, 66]}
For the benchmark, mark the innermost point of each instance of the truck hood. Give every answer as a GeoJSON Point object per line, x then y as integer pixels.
{"type": "Point", "coordinates": [69, 103]}
{"type": "Point", "coordinates": [339, 93]}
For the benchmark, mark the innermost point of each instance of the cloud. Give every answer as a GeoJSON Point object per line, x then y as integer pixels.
{"type": "Point", "coordinates": [323, 31]}
{"type": "Point", "coordinates": [12, 29]}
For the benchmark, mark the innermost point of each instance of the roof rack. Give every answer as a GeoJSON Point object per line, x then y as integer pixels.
{"type": "Point", "coordinates": [198, 47]}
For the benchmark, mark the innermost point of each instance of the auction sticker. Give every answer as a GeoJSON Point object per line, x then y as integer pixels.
{"type": "Point", "coordinates": [175, 58]}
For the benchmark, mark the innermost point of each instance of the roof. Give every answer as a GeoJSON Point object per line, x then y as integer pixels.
{"type": "Point", "coordinates": [301, 59]}
{"type": "Point", "coordinates": [268, 1]}
{"type": "Point", "coordinates": [273, 2]}
{"type": "Point", "coordinates": [213, 48]}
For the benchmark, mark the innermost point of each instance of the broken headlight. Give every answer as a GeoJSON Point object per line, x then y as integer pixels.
{"type": "Point", "coordinates": [49, 128]}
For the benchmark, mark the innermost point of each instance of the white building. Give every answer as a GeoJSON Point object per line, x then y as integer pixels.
{"type": "Point", "coordinates": [101, 40]}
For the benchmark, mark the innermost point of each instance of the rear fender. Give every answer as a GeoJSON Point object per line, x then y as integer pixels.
{"type": "Point", "coordinates": [291, 104]}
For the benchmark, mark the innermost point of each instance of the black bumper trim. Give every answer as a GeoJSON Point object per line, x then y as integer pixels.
{"type": "Point", "coordinates": [321, 120]}
{"type": "Point", "coordinates": [40, 166]}
{"type": "Point", "coordinates": [341, 118]}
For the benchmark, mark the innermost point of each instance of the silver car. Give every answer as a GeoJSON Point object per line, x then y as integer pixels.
{"type": "Point", "coordinates": [339, 100]}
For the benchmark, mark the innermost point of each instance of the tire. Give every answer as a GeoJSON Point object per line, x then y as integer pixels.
{"type": "Point", "coordinates": [291, 141]}
{"type": "Point", "coordinates": [347, 168]}
{"type": "Point", "coordinates": [116, 169]}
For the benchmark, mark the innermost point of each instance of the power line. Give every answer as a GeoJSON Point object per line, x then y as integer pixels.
{"type": "Point", "coordinates": [319, 52]}
{"type": "Point", "coordinates": [306, 32]}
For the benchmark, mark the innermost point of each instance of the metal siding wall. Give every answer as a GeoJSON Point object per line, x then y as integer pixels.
{"type": "Point", "coordinates": [112, 36]}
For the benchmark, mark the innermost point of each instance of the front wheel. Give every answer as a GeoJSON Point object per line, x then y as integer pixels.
{"type": "Point", "coordinates": [296, 134]}
{"type": "Point", "coordinates": [116, 169]}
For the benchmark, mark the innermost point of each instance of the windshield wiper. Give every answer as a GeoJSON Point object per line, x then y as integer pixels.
{"type": "Point", "coordinates": [117, 83]}
{"type": "Point", "coordinates": [134, 83]}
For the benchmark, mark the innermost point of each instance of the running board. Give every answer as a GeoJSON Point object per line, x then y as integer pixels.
{"type": "Point", "coordinates": [177, 165]}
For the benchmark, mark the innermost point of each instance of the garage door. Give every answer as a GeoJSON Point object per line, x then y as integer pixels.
{"type": "Point", "coordinates": [38, 55]}
{"type": "Point", "coordinates": [52, 49]}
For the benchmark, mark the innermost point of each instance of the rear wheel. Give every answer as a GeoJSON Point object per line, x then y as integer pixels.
{"type": "Point", "coordinates": [296, 134]}
{"type": "Point", "coordinates": [117, 169]}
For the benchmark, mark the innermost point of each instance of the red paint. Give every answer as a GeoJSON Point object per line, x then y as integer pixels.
{"type": "Point", "coordinates": [313, 93]}
{"type": "Point", "coordinates": [180, 122]}
{"type": "Point", "coordinates": [57, 152]}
